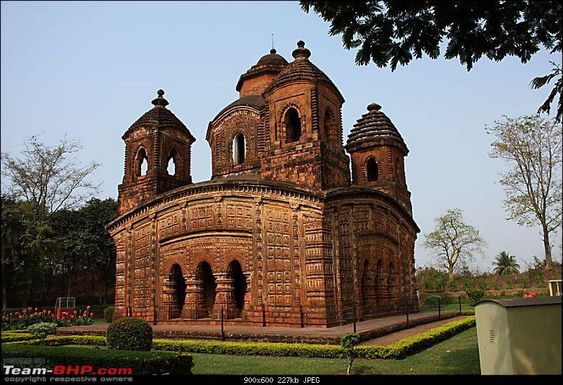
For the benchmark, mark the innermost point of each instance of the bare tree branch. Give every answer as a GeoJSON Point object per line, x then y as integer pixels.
{"type": "Point", "coordinates": [49, 177]}
{"type": "Point", "coordinates": [531, 146]}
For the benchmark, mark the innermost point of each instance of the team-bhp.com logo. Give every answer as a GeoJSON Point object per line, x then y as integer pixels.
{"type": "Point", "coordinates": [67, 370]}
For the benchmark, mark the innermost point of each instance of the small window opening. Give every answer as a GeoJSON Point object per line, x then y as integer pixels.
{"type": "Point", "coordinates": [171, 168]}
{"type": "Point", "coordinates": [171, 165]}
{"type": "Point", "coordinates": [292, 125]}
{"type": "Point", "coordinates": [239, 148]}
{"type": "Point", "coordinates": [371, 170]}
{"type": "Point", "coordinates": [142, 162]}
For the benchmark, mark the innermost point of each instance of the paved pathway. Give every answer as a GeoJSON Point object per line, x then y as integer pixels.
{"type": "Point", "coordinates": [399, 335]}
{"type": "Point", "coordinates": [367, 329]}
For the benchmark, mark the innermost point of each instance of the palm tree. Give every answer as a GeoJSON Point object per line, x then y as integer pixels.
{"type": "Point", "coordinates": [505, 264]}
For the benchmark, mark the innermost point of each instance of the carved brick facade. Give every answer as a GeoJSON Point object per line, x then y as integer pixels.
{"type": "Point", "coordinates": [281, 235]}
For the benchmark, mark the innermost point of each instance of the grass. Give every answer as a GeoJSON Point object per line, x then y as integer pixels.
{"type": "Point", "coordinates": [458, 355]}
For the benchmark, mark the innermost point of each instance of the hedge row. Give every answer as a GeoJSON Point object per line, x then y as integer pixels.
{"type": "Point", "coordinates": [140, 362]}
{"type": "Point", "coordinates": [13, 337]}
{"type": "Point", "coordinates": [396, 350]}
{"type": "Point", "coordinates": [418, 342]}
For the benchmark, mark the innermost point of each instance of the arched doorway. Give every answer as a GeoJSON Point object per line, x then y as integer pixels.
{"type": "Point", "coordinates": [177, 284]}
{"type": "Point", "coordinates": [234, 272]}
{"type": "Point", "coordinates": [205, 274]}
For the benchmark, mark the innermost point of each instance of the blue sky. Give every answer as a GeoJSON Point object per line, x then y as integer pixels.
{"type": "Point", "coordinates": [90, 69]}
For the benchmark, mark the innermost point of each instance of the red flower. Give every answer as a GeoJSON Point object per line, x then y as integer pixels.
{"type": "Point", "coordinates": [92, 315]}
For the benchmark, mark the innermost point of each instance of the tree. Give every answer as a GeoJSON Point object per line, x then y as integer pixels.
{"type": "Point", "coordinates": [395, 32]}
{"type": "Point", "coordinates": [531, 146]}
{"type": "Point", "coordinates": [505, 264]}
{"type": "Point", "coordinates": [49, 177]}
{"type": "Point", "coordinates": [348, 343]}
{"type": "Point", "coordinates": [453, 240]}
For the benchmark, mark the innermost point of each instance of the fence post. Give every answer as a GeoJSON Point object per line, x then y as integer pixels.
{"type": "Point", "coordinates": [459, 300]}
{"type": "Point", "coordinates": [222, 324]}
{"type": "Point", "coordinates": [439, 307]}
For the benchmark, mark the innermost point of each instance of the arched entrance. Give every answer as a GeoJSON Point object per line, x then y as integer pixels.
{"type": "Point", "coordinates": [205, 275]}
{"type": "Point", "coordinates": [177, 290]}
{"type": "Point", "coordinates": [234, 272]}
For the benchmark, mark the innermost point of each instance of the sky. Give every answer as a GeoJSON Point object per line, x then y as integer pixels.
{"type": "Point", "coordinates": [88, 70]}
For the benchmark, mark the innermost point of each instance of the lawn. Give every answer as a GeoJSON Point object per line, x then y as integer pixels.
{"type": "Point", "coordinates": [457, 355]}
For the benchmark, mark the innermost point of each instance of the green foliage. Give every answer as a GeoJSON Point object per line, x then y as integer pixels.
{"type": "Point", "coordinates": [432, 279]}
{"type": "Point", "coordinates": [75, 340]}
{"type": "Point", "coordinates": [348, 342]}
{"type": "Point", "coordinates": [389, 33]}
{"type": "Point", "coordinates": [475, 295]}
{"type": "Point", "coordinates": [140, 361]}
{"type": "Point", "coordinates": [14, 337]}
{"type": "Point", "coordinates": [505, 264]}
{"type": "Point", "coordinates": [129, 334]}
{"type": "Point", "coordinates": [42, 329]}
{"type": "Point", "coordinates": [475, 290]}
{"type": "Point", "coordinates": [108, 313]}
{"type": "Point", "coordinates": [50, 249]}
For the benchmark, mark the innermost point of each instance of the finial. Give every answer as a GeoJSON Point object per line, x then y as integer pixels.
{"type": "Point", "coordinates": [273, 51]}
{"type": "Point", "coordinates": [160, 101]}
{"type": "Point", "coordinates": [301, 51]}
{"type": "Point", "coordinates": [272, 43]}
{"type": "Point", "coordinates": [374, 107]}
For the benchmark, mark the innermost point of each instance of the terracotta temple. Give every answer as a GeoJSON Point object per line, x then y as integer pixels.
{"type": "Point", "coordinates": [293, 229]}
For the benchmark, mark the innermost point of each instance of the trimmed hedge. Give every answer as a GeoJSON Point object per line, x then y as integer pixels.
{"type": "Point", "coordinates": [129, 334]}
{"type": "Point", "coordinates": [74, 340]}
{"type": "Point", "coordinates": [397, 350]}
{"type": "Point", "coordinates": [13, 337]}
{"type": "Point", "coordinates": [141, 362]}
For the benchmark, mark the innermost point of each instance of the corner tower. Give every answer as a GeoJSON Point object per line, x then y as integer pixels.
{"type": "Point", "coordinates": [303, 124]}
{"type": "Point", "coordinates": [157, 156]}
{"type": "Point", "coordinates": [378, 151]}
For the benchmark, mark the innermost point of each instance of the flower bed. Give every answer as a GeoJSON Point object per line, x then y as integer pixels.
{"type": "Point", "coordinates": [21, 319]}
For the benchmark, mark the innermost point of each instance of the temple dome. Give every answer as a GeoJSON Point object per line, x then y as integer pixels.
{"type": "Point", "coordinates": [373, 128]}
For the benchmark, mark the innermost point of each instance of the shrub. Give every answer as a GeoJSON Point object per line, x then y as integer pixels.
{"type": "Point", "coordinates": [108, 313]}
{"type": "Point", "coordinates": [475, 295]}
{"type": "Point", "coordinates": [42, 329]}
{"type": "Point", "coordinates": [348, 342]}
{"type": "Point", "coordinates": [129, 334]}
{"type": "Point", "coordinates": [139, 362]}
{"type": "Point", "coordinates": [14, 337]}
